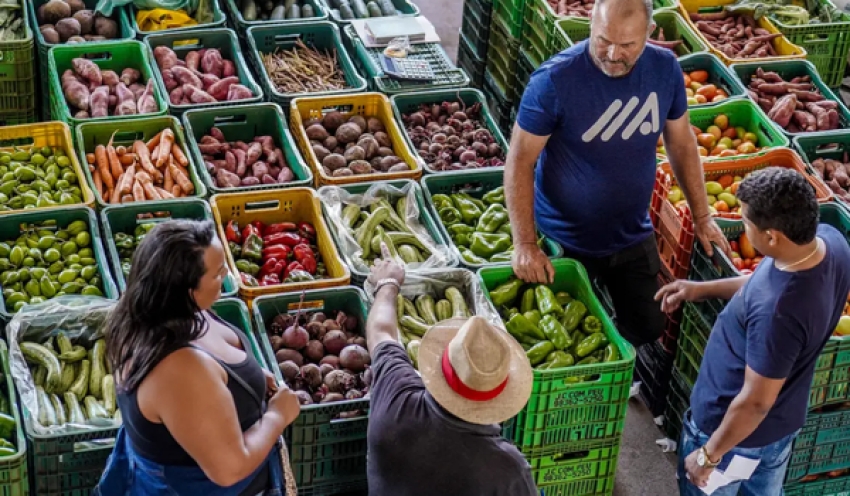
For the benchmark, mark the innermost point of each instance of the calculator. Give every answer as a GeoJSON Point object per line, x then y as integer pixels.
{"type": "Point", "coordinates": [407, 68]}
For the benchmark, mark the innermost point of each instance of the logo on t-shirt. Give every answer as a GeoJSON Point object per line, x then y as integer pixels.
{"type": "Point", "coordinates": [645, 120]}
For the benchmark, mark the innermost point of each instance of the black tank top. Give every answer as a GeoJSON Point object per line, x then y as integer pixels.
{"type": "Point", "coordinates": [154, 442]}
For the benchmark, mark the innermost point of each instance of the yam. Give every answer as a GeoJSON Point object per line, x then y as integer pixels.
{"type": "Point", "coordinates": [360, 167]}
{"type": "Point", "coordinates": [355, 153]}
{"type": "Point", "coordinates": [374, 125]}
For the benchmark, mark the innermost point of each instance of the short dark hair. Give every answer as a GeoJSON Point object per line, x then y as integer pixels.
{"type": "Point", "coordinates": [781, 199]}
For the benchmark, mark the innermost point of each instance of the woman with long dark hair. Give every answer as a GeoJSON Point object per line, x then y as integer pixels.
{"type": "Point", "coordinates": [192, 397]}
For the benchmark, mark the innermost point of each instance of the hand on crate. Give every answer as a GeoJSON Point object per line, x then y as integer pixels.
{"type": "Point", "coordinates": [532, 265]}
{"type": "Point", "coordinates": [672, 295]}
{"type": "Point", "coordinates": [708, 232]}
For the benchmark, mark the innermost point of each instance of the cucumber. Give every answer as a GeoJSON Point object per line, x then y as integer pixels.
{"type": "Point", "coordinates": [278, 13]}
{"type": "Point", "coordinates": [80, 386]}
{"type": "Point", "coordinates": [345, 11]}
{"type": "Point", "coordinates": [75, 354]}
{"type": "Point", "coordinates": [63, 343]}
{"type": "Point", "coordinates": [387, 7]}
{"type": "Point", "coordinates": [374, 10]}
{"type": "Point", "coordinates": [307, 11]}
{"type": "Point", "coordinates": [58, 409]}
{"type": "Point", "coordinates": [39, 375]}
{"type": "Point", "coordinates": [249, 10]}
{"type": "Point", "coordinates": [36, 353]}
{"type": "Point", "coordinates": [97, 369]}
{"type": "Point", "coordinates": [94, 410]}
{"type": "Point", "coordinates": [46, 414]}
{"type": "Point", "coordinates": [109, 401]}
{"type": "Point", "coordinates": [359, 8]}
{"type": "Point", "coordinates": [293, 12]}
{"type": "Point", "coordinates": [69, 373]}
{"type": "Point", "coordinates": [75, 413]}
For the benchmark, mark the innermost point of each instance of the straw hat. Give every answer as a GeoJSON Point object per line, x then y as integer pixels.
{"type": "Point", "coordinates": [475, 371]}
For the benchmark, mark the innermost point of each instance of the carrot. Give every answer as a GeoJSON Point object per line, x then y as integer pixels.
{"type": "Point", "coordinates": [98, 182]}
{"type": "Point", "coordinates": [128, 159]}
{"type": "Point", "coordinates": [168, 181]}
{"type": "Point", "coordinates": [179, 156]}
{"type": "Point", "coordinates": [177, 191]}
{"type": "Point", "coordinates": [114, 163]}
{"type": "Point", "coordinates": [145, 180]}
{"type": "Point", "coordinates": [138, 191]}
{"type": "Point", "coordinates": [181, 178]}
{"type": "Point", "coordinates": [155, 155]}
{"type": "Point", "coordinates": [125, 185]}
{"type": "Point", "coordinates": [154, 142]}
{"type": "Point", "coordinates": [121, 150]}
{"type": "Point", "coordinates": [165, 144]}
{"type": "Point", "coordinates": [102, 162]}
{"type": "Point", "coordinates": [90, 158]}
{"type": "Point", "coordinates": [115, 196]}
{"type": "Point", "coordinates": [126, 198]}
{"type": "Point", "coordinates": [164, 194]}
{"type": "Point", "coordinates": [145, 160]}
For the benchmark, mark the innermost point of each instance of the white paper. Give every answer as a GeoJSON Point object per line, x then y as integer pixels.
{"type": "Point", "coordinates": [740, 468]}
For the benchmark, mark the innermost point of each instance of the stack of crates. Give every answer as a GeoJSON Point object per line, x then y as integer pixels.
{"type": "Point", "coordinates": [474, 38]}
{"type": "Point", "coordinates": [502, 59]}
{"type": "Point", "coordinates": [571, 428]}
{"type": "Point", "coordinates": [18, 77]}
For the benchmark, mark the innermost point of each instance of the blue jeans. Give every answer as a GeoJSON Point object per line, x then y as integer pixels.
{"type": "Point", "coordinates": [765, 481]}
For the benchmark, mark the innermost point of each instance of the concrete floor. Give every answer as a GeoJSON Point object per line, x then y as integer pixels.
{"type": "Point", "coordinates": [642, 470]}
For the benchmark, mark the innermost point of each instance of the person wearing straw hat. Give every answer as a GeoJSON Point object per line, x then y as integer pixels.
{"type": "Point", "coordinates": [437, 434]}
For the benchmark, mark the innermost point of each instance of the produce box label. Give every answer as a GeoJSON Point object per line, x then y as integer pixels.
{"type": "Point", "coordinates": [307, 305]}
{"type": "Point", "coordinates": [582, 397]}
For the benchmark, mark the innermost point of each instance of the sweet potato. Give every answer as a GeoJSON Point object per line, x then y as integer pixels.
{"type": "Point", "coordinates": [176, 96]}
{"type": "Point", "coordinates": [212, 62]}
{"type": "Point", "coordinates": [241, 163]}
{"type": "Point", "coordinates": [87, 69]}
{"type": "Point", "coordinates": [238, 92]}
{"type": "Point", "coordinates": [169, 80]}
{"type": "Point", "coordinates": [193, 60]}
{"type": "Point", "coordinates": [253, 154]}
{"type": "Point", "coordinates": [220, 89]}
{"type": "Point", "coordinates": [228, 68]}
{"type": "Point", "coordinates": [783, 109]}
{"type": "Point", "coordinates": [77, 94]}
{"type": "Point", "coordinates": [197, 95]}
{"type": "Point", "coordinates": [226, 179]}
{"type": "Point", "coordinates": [805, 121]}
{"type": "Point", "coordinates": [217, 134]}
{"type": "Point", "coordinates": [110, 78]}
{"type": "Point", "coordinates": [126, 100]}
{"type": "Point", "coordinates": [184, 76]}
{"type": "Point", "coordinates": [821, 116]}
{"type": "Point", "coordinates": [147, 103]}
{"type": "Point", "coordinates": [208, 80]}
{"type": "Point", "coordinates": [165, 57]}
{"type": "Point", "coordinates": [99, 106]}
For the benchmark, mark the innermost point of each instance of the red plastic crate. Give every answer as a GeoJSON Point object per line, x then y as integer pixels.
{"type": "Point", "coordinates": [674, 229]}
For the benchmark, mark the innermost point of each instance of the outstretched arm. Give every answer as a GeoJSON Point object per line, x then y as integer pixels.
{"type": "Point", "coordinates": [382, 324]}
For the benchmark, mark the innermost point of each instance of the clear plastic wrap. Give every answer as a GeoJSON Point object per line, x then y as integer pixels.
{"type": "Point", "coordinates": [81, 319]}
{"type": "Point", "coordinates": [335, 199]}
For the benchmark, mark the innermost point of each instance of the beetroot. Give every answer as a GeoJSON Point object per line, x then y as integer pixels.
{"type": "Point", "coordinates": [295, 337]}
{"type": "Point", "coordinates": [316, 330]}
{"type": "Point", "coordinates": [312, 375]}
{"type": "Point", "coordinates": [318, 317]}
{"type": "Point", "coordinates": [353, 395]}
{"type": "Point", "coordinates": [354, 357]}
{"type": "Point", "coordinates": [332, 397]}
{"type": "Point", "coordinates": [314, 351]}
{"type": "Point", "coordinates": [366, 377]}
{"type": "Point", "coordinates": [276, 342]}
{"type": "Point", "coordinates": [304, 397]}
{"type": "Point", "coordinates": [280, 323]}
{"type": "Point", "coordinates": [289, 370]}
{"type": "Point", "coordinates": [339, 381]}
{"type": "Point", "coordinates": [360, 340]}
{"type": "Point", "coordinates": [326, 368]}
{"type": "Point", "coordinates": [350, 323]}
{"type": "Point", "coordinates": [334, 341]}
{"type": "Point", "coordinates": [331, 325]}
{"type": "Point", "coordinates": [285, 354]}
{"type": "Point", "coordinates": [331, 360]}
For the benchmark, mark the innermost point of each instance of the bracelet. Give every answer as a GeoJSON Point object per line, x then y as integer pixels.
{"type": "Point", "coordinates": [384, 282]}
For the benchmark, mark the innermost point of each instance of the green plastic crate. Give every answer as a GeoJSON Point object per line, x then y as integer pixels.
{"type": "Point", "coordinates": [826, 146]}
{"type": "Point", "coordinates": [218, 21]}
{"type": "Point", "coordinates": [124, 218]}
{"type": "Point", "coordinates": [323, 35]}
{"type": "Point", "coordinates": [838, 486]}
{"type": "Point", "coordinates": [327, 454]}
{"type": "Point", "coordinates": [831, 383]}
{"type": "Point", "coordinates": [788, 69]}
{"type": "Point", "coordinates": [115, 56]}
{"type": "Point", "coordinates": [670, 5]}
{"type": "Point", "coordinates": [821, 446]}
{"type": "Point", "coordinates": [476, 184]}
{"type": "Point", "coordinates": [14, 480]}
{"type": "Point", "coordinates": [524, 69]}
{"type": "Point", "coordinates": [718, 75]}
{"type": "Point", "coordinates": [560, 412]}
{"type": "Point", "coordinates": [404, 8]}
{"type": "Point", "coordinates": [678, 402]}
{"type": "Point", "coordinates": [537, 43]}
{"type": "Point", "coordinates": [89, 135]}
{"type": "Point", "coordinates": [589, 472]}
{"type": "Point", "coordinates": [688, 358]}
{"type": "Point", "coordinates": [473, 65]}
{"type": "Point", "coordinates": [446, 74]}
{"type": "Point", "coordinates": [10, 229]}
{"type": "Point", "coordinates": [237, 20]}
{"type": "Point", "coordinates": [560, 39]}
{"type": "Point", "coordinates": [511, 16]}
{"type": "Point", "coordinates": [407, 103]}
{"type": "Point", "coordinates": [826, 43]}
{"type": "Point", "coordinates": [502, 57]}
{"type": "Point", "coordinates": [500, 107]}
{"type": "Point", "coordinates": [244, 123]}
{"type": "Point", "coordinates": [425, 218]}
{"type": "Point", "coordinates": [475, 25]}
{"type": "Point", "coordinates": [742, 113]}
{"type": "Point", "coordinates": [185, 41]}
{"type": "Point", "coordinates": [235, 312]}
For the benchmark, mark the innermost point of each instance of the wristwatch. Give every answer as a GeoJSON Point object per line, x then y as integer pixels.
{"type": "Point", "coordinates": [383, 282]}
{"type": "Point", "coordinates": [704, 461]}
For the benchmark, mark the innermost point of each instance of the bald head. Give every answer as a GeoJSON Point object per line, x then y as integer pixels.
{"type": "Point", "coordinates": [618, 33]}
{"type": "Point", "coordinates": [623, 10]}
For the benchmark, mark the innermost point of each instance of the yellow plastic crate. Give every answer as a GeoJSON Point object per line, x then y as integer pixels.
{"type": "Point", "coordinates": [53, 134]}
{"type": "Point", "coordinates": [785, 50]}
{"type": "Point", "coordinates": [365, 104]}
{"type": "Point", "coordinates": [291, 205]}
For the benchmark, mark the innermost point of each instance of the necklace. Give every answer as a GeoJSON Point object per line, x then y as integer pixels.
{"type": "Point", "coordinates": [802, 260]}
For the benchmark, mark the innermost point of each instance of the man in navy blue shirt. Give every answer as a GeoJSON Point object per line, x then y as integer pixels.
{"type": "Point", "coordinates": [590, 120]}
{"type": "Point", "coordinates": [751, 396]}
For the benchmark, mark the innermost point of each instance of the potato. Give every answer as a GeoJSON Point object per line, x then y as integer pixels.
{"type": "Point", "coordinates": [402, 167]}
{"type": "Point", "coordinates": [76, 5]}
{"type": "Point", "coordinates": [317, 132]}
{"type": "Point", "coordinates": [321, 152]}
{"type": "Point", "coordinates": [330, 142]}
{"type": "Point", "coordinates": [354, 153]}
{"type": "Point", "coordinates": [106, 27]}
{"type": "Point", "coordinates": [383, 139]}
{"type": "Point", "coordinates": [361, 167]}
{"type": "Point", "coordinates": [369, 145]}
{"type": "Point", "coordinates": [54, 11]}
{"type": "Point", "coordinates": [348, 133]}
{"type": "Point", "coordinates": [374, 125]}
{"type": "Point", "coordinates": [86, 20]}
{"type": "Point", "coordinates": [76, 39]}
{"type": "Point", "coordinates": [385, 151]}
{"type": "Point", "coordinates": [334, 161]}
{"type": "Point", "coordinates": [333, 120]}
{"type": "Point", "coordinates": [388, 162]}
{"type": "Point", "coordinates": [68, 28]}
{"type": "Point", "coordinates": [360, 121]}
{"type": "Point", "coordinates": [344, 172]}
{"type": "Point", "coordinates": [50, 35]}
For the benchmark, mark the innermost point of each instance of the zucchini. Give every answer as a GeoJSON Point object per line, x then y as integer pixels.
{"type": "Point", "coordinates": [278, 13]}
{"type": "Point", "coordinates": [58, 409]}
{"type": "Point", "coordinates": [307, 11]}
{"type": "Point", "coordinates": [359, 8]}
{"type": "Point", "coordinates": [293, 12]}
{"type": "Point", "coordinates": [80, 386]}
{"type": "Point", "coordinates": [249, 10]}
{"type": "Point", "coordinates": [39, 375]}
{"type": "Point", "coordinates": [387, 7]}
{"type": "Point", "coordinates": [75, 354]}
{"type": "Point", "coordinates": [75, 412]}
{"type": "Point", "coordinates": [94, 410]}
{"type": "Point", "coordinates": [373, 9]}
{"type": "Point", "coordinates": [39, 354]}
{"type": "Point", "coordinates": [69, 373]}
{"type": "Point", "coordinates": [97, 369]}
{"type": "Point", "coordinates": [109, 401]}
{"type": "Point", "coordinates": [63, 343]}
{"type": "Point", "coordinates": [46, 414]}
{"type": "Point", "coordinates": [459, 308]}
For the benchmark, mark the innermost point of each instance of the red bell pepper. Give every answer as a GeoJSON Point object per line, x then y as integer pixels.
{"type": "Point", "coordinates": [249, 230]}
{"type": "Point", "coordinates": [284, 238]}
{"type": "Point", "coordinates": [305, 256]}
{"type": "Point", "coordinates": [248, 280]}
{"type": "Point", "coordinates": [280, 227]}
{"type": "Point", "coordinates": [231, 232]}
{"type": "Point", "coordinates": [268, 267]}
{"type": "Point", "coordinates": [261, 228]}
{"type": "Point", "coordinates": [307, 231]}
{"type": "Point", "coordinates": [280, 252]}
{"type": "Point", "coordinates": [292, 266]}
{"type": "Point", "coordinates": [269, 280]}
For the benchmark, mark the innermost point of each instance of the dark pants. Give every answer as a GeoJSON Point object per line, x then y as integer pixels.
{"type": "Point", "coordinates": [631, 278]}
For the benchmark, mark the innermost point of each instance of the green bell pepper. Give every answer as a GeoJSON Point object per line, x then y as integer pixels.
{"type": "Point", "coordinates": [555, 332]}
{"type": "Point", "coordinates": [441, 201]}
{"type": "Point", "coordinates": [533, 316]}
{"type": "Point", "coordinates": [611, 353]}
{"type": "Point", "coordinates": [506, 293]}
{"type": "Point", "coordinates": [486, 245]}
{"type": "Point", "coordinates": [505, 228]}
{"type": "Point", "coordinates": [591, 324]}
{"type": "Point", "coordinates": [492, 218]}
{"type": "Point", "coordinates": [557, 360]}
{"type": "Point", "coordinates": [460, 233]}
{"type": "Point", "coordinates": [528, 301]}
{"type": "Point", "coordinates": [503, 257]}
{"type": "Point", "coordinates": [495, 196]}
{"type": "Point", "coordinates": [247, 267]}
{"type": "Point", "coordinates": [450, 216]}
{"type": "Point", "coordinates": [518, 326]}
{"type": "Point", "coordinates": [252, 247]}
{"type": "Point", "coordinates": [469, 210]}
{"type": "Point", "coordinates": [471, 258]}
{"type": "Point", "coordinates": [235, 249]}
{"type": "Point", "coordinates": [124, 241]}
{"type": "Point", "coordinates": [546, 301]}
{"type": "Point", "coordinates": [590, 344]}
{"type": "Point", "coordinates": [537, 354]}
{"type": "Point", "coordinates": [573, 314]}
{"type": "Point", "coordinates": [563, 298]}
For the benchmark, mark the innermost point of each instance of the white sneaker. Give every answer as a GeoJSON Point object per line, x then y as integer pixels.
{"type": "Point", "coordinates": [635, 389]}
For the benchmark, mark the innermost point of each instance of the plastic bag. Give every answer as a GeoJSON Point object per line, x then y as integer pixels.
{"type": "Point", "coordinates": [335, 199]}
{"type": "Point", "coordinates": [81, 318]}
{"type": "Point", "coordinates": [200, 10]}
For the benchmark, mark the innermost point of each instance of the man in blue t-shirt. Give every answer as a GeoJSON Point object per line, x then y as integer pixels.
{"type": "Point", "coordinates": [751, 396]}
{"type": "Point", "coordinates": [590, 120]}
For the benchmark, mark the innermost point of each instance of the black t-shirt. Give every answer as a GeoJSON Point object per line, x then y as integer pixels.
{"type": "Point", "coordinates": [417, 448]}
